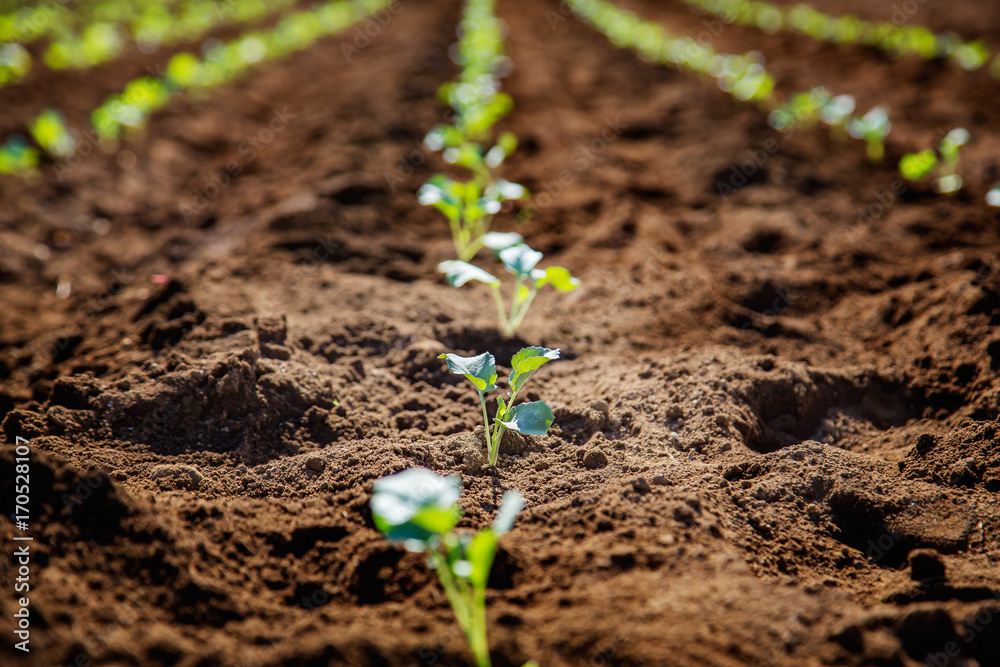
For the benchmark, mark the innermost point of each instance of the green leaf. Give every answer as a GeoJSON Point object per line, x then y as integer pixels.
{"type": "Point", "coordinates": [520, 259]}
{"type": "Point", "coordinates": [457, 273]}
{"type": "Point", "coordinates": [480, 370]}
{"type": "Point", "coordinates": [557, 276]}
{"type": "Point", "coordinates": [526, 362]}
{"type": "Point", "coordinates": [501, 407]}
{"type": "Point", "coordinates": [480, 554]}
{"type": "Point", "coordinates": [914, 166]}
{"type": "Point", "coordinates": [508, 142]}
{"type": "Point", "coordinates": [509, 507]}
{"type": "Point", "coordinates": [497, 241]}
{"type": "Point", "coordinates": [416, 506]}
{"type": "Point", "coordinates": [505, 190]}
{"type": "Point", "coordinates": [952, 142]}
{"type": "Point", "coordinates": [532, 418]}
{"type": "Point", "coordinates": [438, 188]}
{"type": "Point", "coordinates": [949, 184]}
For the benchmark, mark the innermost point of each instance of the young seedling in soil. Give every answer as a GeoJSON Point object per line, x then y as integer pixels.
{"type": "Point", "coordinates": [873, 128]}
{"type": "Point", "coordinates": [469, 207]}
{"type": "Point", "coordinates": [519, 260]}
{"type": "Point", "coordinates": [897, 40]}
{"type": "Point", "coordinates": [420, 510]}
{"type": "Point", "coordinates": [742, 76]}
{"type": "Point", "coordinates": [948, 180]}
{"type": "Point", "coordinates": [915, 166]}
{"type": "Point", "coordinates": [479, 105]}
{"type": "Point", "coordinates": [531, 418]}
{"type": "Point", "coordinates": [835, 112]}
{"type": "Point", "coordinates": [50, 131]}
{"type": "Point", "coordinates": [17, 156]}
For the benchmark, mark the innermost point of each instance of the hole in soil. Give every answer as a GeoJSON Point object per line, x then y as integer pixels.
{"type": "Point", "coordinates": [861, 524]}
{"type": "Point", "coordinates": [792, 407]}
{"type": "Point", "coordinates": [379, 577]}
{"type": "Point", "coordinates": [503, 571]}
{"type": "Point", "coordinates": [304, 539]}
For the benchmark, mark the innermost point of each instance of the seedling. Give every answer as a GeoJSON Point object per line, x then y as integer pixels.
{"type": "Point", "coordinates": [519, 260]}
{"type": "Point", "coordinates": [15, 62]}
{"type": "Point", "coordinates": [478, 104]}
{"type": "Point", "coordinates": [49, 130]}
{"type": "Point", "coordinates": [915, 166]}
{"type": "Point", "coordinates": [742, 76]}
{"type": "Point", "coordinates": [531, 418]}
{"type": "Point", "coordinates": [469, 208]}
{"type": "Point", "coordinates": [835, 112]}
{"type": "Point", "coordinates": [948, 180]}
{"type": "Point", "coordinates": [873, 128]}
{"type": "Point", "coordinates": [896, 40]}
{"type": "Point", "coordinates": [17, 156]}
{"type": "Point", "coordinates": [420, 509]}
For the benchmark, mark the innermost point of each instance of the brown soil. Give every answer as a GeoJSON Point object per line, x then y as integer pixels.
{"type": "Point", "coordinates": [776, 438]}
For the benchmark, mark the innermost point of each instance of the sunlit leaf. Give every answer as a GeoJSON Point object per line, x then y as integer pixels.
{"type": "Point", "coordinates": [532, 418]}
{"type": "Point", "coordinates": [457, 273]}
{"type": "Point", "coordinates": [520, 259]}
{"type": "Point", "coordinates": [526, 362]}
{"type": "Point", "coordinates": [480, 370]}
{"type": "Point", "coordinates": [415, 506]}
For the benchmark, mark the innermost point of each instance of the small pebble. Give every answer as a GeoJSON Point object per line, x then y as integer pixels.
{"type": "Point", "coordinates": [595, 459]}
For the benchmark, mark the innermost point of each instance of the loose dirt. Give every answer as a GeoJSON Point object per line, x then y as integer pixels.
{"type": "Point", "coordinates": [776, 438]}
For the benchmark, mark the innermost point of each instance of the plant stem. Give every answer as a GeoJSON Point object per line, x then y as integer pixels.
{"type": "Point", "coordinates": [498, 432]}
{"type": "Point", "coordinates": [486, 422]}
{"type": "Point", "coordinates": [875, 151]}
{"type": "Point", "coordinates": [469, 608]}
{"type": "Point", "coordinates": [516, 321]}
{"type": "Point", "coordinates": [455, 225]}
{"type": "Point", "coordinates": [500, 309]}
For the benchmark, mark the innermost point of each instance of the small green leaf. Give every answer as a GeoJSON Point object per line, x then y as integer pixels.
{"type": "Point", "coordinates": [914, 166]}
{"type": "Point", "coordinates": [480, 554]}
{"type": "Point", "coordinates": [508, 142]}
{"type": "Point", "coordinates": [520, 259]}
{"type": "Point", "coordinates": [504, 190]}
{"type": "Point", "coordinates": [415, 506]}
{"type": "Point", "coordinates": [457, 273]}
{"type": "Point", "coordinates": [439, 188]}
{"type": "Point", "coordinates": [497, 241]}
{"type": "Point", "coordinates": [501, 407]}
{"type": "Point", "coordinates": [526, 362]}
{"type": "Point", "coordinates": [480, 370]}
{"type": "Point", "coordinates": [532, 418]}
{"type": "Point", "coordinates": [949, 184]}
{"type": "Point", "coordinates": [557, 276]}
